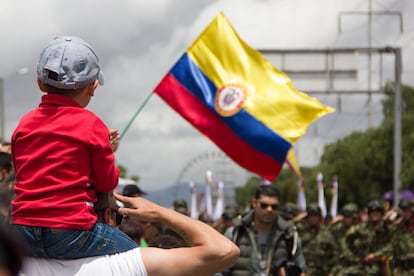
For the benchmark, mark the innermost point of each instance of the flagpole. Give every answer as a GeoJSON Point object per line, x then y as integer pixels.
{"type": "Point", "coordinates": [135, 115]}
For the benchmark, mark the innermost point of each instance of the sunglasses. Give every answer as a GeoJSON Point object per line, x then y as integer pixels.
{"type": "Point", "coordinates": [265, 206]}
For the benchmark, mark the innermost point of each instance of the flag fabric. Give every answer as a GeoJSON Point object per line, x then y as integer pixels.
{"type": "Point", "coordinates": [334, 202]}
{"type": "Point", "coordinates": [292, 163]}
{"type": "Point", "coordinates": [208, 197]}
{"type": "Point", "coordinates": [301, 202]}
{"type": "Point", "coordinates": [321, 195]}
{"type": "Point", "coordinates": [238, 99]}
{"type": "Point", "coordinates": [219, 207]}
{"type": "Point", "coordinates": [193, 196]}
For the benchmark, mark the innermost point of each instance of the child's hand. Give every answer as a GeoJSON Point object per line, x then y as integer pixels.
{"type": "Point", "coordinates": [114, 139]}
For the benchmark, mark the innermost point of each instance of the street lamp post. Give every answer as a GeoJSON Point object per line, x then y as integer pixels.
{"type": "Point", "coordinates": [20, 72]}
{"type": "Point", "coordinates": [2, 110]}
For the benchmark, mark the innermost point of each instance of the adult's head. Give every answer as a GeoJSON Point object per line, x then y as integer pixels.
{"type": "Point", "coordinates": [107, 209]}
{"type": "Point", "coordinates": [289, 210]}
{"type": "Point", "coordinates": [6, 167]}
{"type": "Point", "coordinates": [266, 204]}
{"type": "Point", "coordinates": [11, 253]}
{"type": "Point", "coordinates": [132, 190]}
{"type": "Point", "coordinates": [314, 214]}
{"type": "Point", "coordinates": [375, 211]}
{"type": "Point", "coordinates": [407, 209]}
{"type": "Point", "coordinates": [350, 214]}
{"type": "Point", "coordinates": [180, 205]}
{"type": "Point", "coordinates": [5, 147]}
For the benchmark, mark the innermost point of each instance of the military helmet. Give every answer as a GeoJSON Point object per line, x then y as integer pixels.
{"type": "Point", "coordinates": [407, 204]}
{"type": "Point", "coordinates": [350, 210]}
{"type": "Point", "coordinates": [375, 205]}
{"type": "Point", "coordinates": [314, 209]}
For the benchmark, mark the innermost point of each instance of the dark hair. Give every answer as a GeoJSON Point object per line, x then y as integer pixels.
{"type": "Point", "coordinates": [5, 161]}
{"type": "Point", "coordinates": [55, 90]}
{"type": "Point", "coordinates": [267, 190]}
{"type": "Point", "coordinates": [132, 190]}
{"type": "Point", "coordinates": [132, 227]}
{"type": "Point", "coordinates": [11, 251]}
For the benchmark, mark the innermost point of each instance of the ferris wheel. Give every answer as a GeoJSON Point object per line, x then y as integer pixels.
{"type": "Point", "coordinates": [220, 165]}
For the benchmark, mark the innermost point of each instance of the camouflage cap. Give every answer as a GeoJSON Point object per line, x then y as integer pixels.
{"type": "Point", "coordinates": [350, 210]}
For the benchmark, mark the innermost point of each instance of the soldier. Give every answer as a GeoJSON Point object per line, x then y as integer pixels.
{"type": "Point", "coordinates": [403, 240]}
{"type": "Point", "coordinates": [319, 247]}
{"type": "Point", "coordinates": [370, 243]}
{"type": "Point", "coordinates": [349, 216]}
{"type": "Point", "coordinates": [265, 239]}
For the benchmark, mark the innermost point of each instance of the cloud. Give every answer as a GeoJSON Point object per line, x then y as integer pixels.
{"type": "Point", "coordinates": [139, 41]}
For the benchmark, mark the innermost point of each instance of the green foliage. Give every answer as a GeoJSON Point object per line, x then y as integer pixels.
{"type": "Point", "coordinates": [122, 171]}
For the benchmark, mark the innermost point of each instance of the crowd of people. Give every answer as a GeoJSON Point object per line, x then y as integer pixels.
{"type": "Point", "coordinates": [375, 240]}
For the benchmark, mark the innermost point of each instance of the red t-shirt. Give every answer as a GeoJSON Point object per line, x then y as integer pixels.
{"type": "Point", "coordinates": [62, 155]}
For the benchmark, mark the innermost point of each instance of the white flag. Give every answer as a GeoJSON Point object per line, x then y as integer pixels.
{"type": "Point", "coordinates": [219, 209]}
{"type": "Point", "coordinates": [208, 196]}
{"type": "Point", "coordinates": [321, 195]}
{"type": "Point", "coordinates": [301, 195]}
{"type": "Point", "coordinates": [194, 213]}
{"type": "Point", "coordinates": [334, 201]}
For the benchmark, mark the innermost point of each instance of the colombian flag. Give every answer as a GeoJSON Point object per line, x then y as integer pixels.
{"type": "Point", "coordinates": [238, 99]}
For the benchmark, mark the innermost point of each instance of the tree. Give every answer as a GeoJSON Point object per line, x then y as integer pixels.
{"type": "Point", "coordinates": [363, 161]}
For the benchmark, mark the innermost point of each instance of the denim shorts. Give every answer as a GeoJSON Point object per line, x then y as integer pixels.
{"type": "Point", "coordinates": [102, 239]}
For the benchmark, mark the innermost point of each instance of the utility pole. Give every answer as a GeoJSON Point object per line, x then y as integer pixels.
{"type": "Point", "coordinates": [397, 125]}
{"type": "Point", "coordinates": [370, 15]}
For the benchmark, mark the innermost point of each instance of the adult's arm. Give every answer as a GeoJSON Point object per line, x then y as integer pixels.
{"type": "Point", "coordinates": [209, 251]}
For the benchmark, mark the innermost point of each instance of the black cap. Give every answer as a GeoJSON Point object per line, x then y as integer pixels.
{"type": "Point", "coordinates": [180, 205]}
{"type": "Point", "coordinates": [406, 204]}
{"type": "Point", "coordinates": [132, 190]}
{"type": "Point", "coordinates": [314, 209]}
{"type": "Point", "coordinates": [375, 205]}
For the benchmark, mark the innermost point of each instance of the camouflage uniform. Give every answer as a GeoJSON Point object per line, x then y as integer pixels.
{"type": "Point", "coordinates": [318, 244]}
{"type": "Point", "coordinates": [364, 239]}
{"type": "Point", "coordinates": [403, 243]}
{"type": "Point", "coordinates": [339, 231]}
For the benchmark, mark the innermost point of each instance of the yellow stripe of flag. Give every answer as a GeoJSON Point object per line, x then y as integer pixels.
{"type": "Point", "coordinates": [272, 99]}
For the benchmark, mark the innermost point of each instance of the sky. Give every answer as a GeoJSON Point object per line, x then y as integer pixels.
{"type": "Point", "coordinates": [139, 41]}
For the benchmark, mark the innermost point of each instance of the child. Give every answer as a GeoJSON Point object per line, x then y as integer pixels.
{"type": "Point", "coordinates": [63, 154]}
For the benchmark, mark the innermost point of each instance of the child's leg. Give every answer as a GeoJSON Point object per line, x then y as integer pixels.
{"type": "Point", "coordinates": [102, 239]}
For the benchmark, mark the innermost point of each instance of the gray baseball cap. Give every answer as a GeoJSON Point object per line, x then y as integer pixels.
{"type": "Point", "coordinates": [73, 60]}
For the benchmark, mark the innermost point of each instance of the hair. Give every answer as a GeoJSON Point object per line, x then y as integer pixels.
{"type": "Point", "coordinates": [11, 251]}
{"type": "Point", "coordinates": [133, 228]}
{"type": "Point", "coordinates": [5, 161]}
{"type": "Point", "coordinates": [267, 190]}
{"type": "Point", "coordinates": [132, 190]}
{"type": "Point", "coordinates": [55, 90]}
{"type": "Point", "coordinates": [168, 239]}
